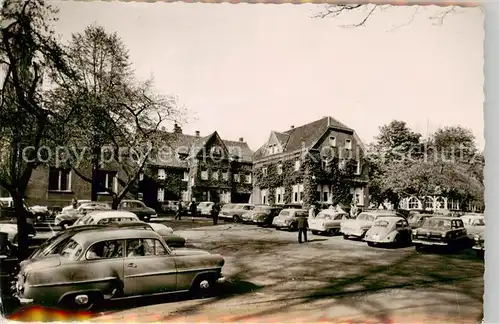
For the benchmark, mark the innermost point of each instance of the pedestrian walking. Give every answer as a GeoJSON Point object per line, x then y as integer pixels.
{"type": "Point", "coordinates": [302, 225]}
{"type": "Point", "coordinates": [215, 212]}
{"type": "Point", "coordinates": [193, 208]}
{"type": "Point", "coordinates": [179, 211]}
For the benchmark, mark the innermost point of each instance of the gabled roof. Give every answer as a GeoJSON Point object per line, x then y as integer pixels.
{"type": "Point", "coordinates": [191, 145]}
{"type": "Point", "coordinates": [306, 135]}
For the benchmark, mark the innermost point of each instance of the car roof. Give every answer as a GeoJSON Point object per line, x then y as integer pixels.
{"type": "Point", "coordinates": [392, 219]}
{"type": "Point", "coordinates": [331, 211]}
{"type": "Point", "coordinates": [90, 236]}
{"type": "Point", "coordinates": [446, 217]}
{"type": "Point", "coordinates": [379, 214]}
{"type": "Point", "coordinates": [100, 214]}
{"type": "Point", "coordinates": [295, 209]}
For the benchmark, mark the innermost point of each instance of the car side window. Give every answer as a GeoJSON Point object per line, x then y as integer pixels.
{"type": "Point", "coordinates": [145, 247]}
{"type": "Point", "coordinates": [110, 249]}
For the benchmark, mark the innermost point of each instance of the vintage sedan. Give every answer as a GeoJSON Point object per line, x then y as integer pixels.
{"type": "Point", "coordinates": [139, 208]}
{"type": "Point", "coordinates": [287, 218]}
{"type": "Point", "coordinates": [264, 215]}
{"type": "Point", "coordinates": [389, 231]}
{"type": "Point", "coordinates": [327, 222]}
{"type": "Point", "coordinates": [479, 244]}
{"type": "Point", "coordinates": [440, 231]}
{"type": "Point", "coordinates": [416, 219]}
{"type": "Point", "coordinates": [473, 223]}
{"type": "Point", "coordinates": [233, 212]}
{"type": "Point", "coordinates": [359, 226]}
{"type": "Point", "coordinates": [103, 264]}
{"type": "Point", "coordinates": [69, 216]}
{"type": "Point", "coordinates": [204, 208]}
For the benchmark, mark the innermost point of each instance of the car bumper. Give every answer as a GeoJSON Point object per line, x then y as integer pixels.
{"type": "Point", "coordinates": [280, 224]}
{"type": "Point", "coordinates": [478, 248]}
{"type": "Point", "coordinates": [318, 228]}
{"type": "Point", "coordinates": [221, 280]}
{"type": "Point", "coordinates": [437, 243]}
{"type": "Point", "coordinates": [24, 301]}
{"type": "Point", "coordinates": [353, 232]}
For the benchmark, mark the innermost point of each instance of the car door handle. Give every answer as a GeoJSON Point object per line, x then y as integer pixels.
{"type": "Point", "coordinates": [132, 265]}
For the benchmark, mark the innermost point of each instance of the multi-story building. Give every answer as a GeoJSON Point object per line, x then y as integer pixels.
{"type": "Point", "coordinates": [204, 168]}
{"type": "Point", "coordinates": [438, 203]}
{"type": "Point", "coordinates": [310, 164]}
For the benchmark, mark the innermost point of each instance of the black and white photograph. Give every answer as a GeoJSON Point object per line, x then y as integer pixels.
{"type": "Point", "coordinates": [236, 162]}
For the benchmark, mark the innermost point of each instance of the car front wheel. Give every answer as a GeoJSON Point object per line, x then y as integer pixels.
{"type": "Point", "coordinates": [203, 286]}
{"type": "Point", "coordinates": [236, 219]}
{"type": "Point", "coordinates": [82, 300]}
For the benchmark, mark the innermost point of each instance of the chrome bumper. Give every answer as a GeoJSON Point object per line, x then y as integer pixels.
{"type": "Point", "coordinates": [429, 243]}
{"type": "Point", "coordinates": [221, 280]}
{"type": "Point", "coordinates": [479, 248]}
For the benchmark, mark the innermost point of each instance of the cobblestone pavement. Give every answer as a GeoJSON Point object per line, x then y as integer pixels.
{"type": "Point", "coordinates": [272, 278]}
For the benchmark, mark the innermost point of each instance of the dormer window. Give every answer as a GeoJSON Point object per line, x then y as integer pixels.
{"type": "Point", "coordinates": [216, 151]}
{"type": "Point", "coordinates": [348, 144]}
{"type": "Point", "coordinates": [333, 141]}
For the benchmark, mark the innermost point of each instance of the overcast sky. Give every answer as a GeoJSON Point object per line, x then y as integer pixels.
{"type": "Point", "coordinates": [245, 70]}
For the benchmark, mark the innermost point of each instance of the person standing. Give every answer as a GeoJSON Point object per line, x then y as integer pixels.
{"type": "Point", "coordinates": [215, 212]}
{"type": "Point", "coordinates": [179, 211]}
{"type": "Point", "coordinates": [193, 208]}
{"type": "Point", "coordinates": [302, 225]}
{"type": "Point", "coordinates": [312, 212]}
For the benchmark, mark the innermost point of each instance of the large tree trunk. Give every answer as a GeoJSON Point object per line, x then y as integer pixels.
{"type": "Point", "coordinates": [23, 227]}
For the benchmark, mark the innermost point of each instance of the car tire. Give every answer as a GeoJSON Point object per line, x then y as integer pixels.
{"type": "Point", "coordinates": [203, 286]}
{"type": "Point", "coordinates": [292, 227]}
{"type": "Point", "coordinates": [419, 248]}
{"type": "Point", "coordinates": [65, 224]}
{"type": "Point", "coordinates": [371, 244]}
{"type": "Point", "coordinates": [332, 231]}
{"type": "Point", "coordinates": [314, 232]}
{"type": "Point", "coordinates": [236, 219]}
{"type": "Point", "coordinates": [346, 237]}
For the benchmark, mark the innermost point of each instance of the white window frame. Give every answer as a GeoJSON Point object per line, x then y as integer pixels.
{"type": "Point", "coordinates": [278, 195]}
{"type": "Point", "coordinates": [301, 193]}
{"type": "Point", "coordinates": [348, 144]}
{"type": "Point", "coordinates": [333, 141]}
{"type": "Point", "coordinates": [264, 196]}
{"type": "Point", "coordinates": [204, 174]}
{"type": "Point", "coordinates": [225, 175]}
{"type": "Point", "coordinates": [279, 168]}
{"type": "Point", "coordinates": [162, 174]}
{"type": "Point", "coordinates": [160, 195]}
{"type": "Point", "coordinates": [297, 165]}
{"type": "Point", "coordinates": [248, 178]}
{"type": "Point", "coordinates": [141, 176]}
{"type": "Point", "coordinates": [295, 193]}
{"type": "Point", "coordinates": [236, 177]}
{"type": "Point", "coordinates": [106, 183]}
{"type": "Point", "coordinates": [59, 178]}
{"type": "Point", "coordinates": [215, 175]}
{"type": "Point", "coordinates": [184, 195]}
{"type": "Point", "coordinates": [185, 176]}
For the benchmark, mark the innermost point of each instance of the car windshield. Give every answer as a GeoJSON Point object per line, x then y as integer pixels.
{"type": "Point", "coordinates": [436, 223]}
{"type": "Point", "coordinates": [478, 222]}
{"type": "Point", "coordinates": [71, 250]}
{"type": "Point", "coordinates": [324, 216]}
{"type": "Point", "coordinates": [413, 217]}
{"type": "Point", "coordinates": [367, 217]}
{"type": "Point", "coordinates": [381, 223]}
{"type": "Point", "coordinates": [285, 213]}
{"type": "Point", "coordinates": [261, 209]}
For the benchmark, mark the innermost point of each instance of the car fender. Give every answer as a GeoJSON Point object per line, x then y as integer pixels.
{"type": "Point", "coordinates": [213, 273]}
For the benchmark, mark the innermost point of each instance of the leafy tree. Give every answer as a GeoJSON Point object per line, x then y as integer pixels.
{"type": "Point", "coordinates": [119, 115]}
{"type": "Point", "coordinates": [29, 56]}
{"type": "Point", "coordinates": [455, 143]}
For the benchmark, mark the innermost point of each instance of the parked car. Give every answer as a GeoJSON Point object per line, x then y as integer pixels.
{"type": "Point", "coordinates": [292, 206]}
{"type": "Point", "coordinates": [287, 218]}
{"type": "Point", "coordinates": [204, 208]}
{"type": "Point", "coordinates": [479, 243]}
{"type": "Point", "coordinates": [473, 223]}
{"type": "Point", "coordinates": [106, 217]}
{"type": "Point", "coordinates": [327, 222]}
{"type": "Point", "coordinates": [416, 219]}
{"type": "Point", "coordinates": [69, 216]}
{"type": "Point", "coordinates": [389, 231]}
{"type": "Point", "coordinates": [362, 223]}
{"type": "Point", "coordinates": [170, 206]}
{"type": "Point", "coordinates": [233, 212]}
{"type": "Point", "coordinates": [35, 237]}
{"type": "Point", "coordinates": [79, 202]}
{"type": "Point", "coordinates": [103, 264]}
{"type": "Point", "coordinates": [440, 231]}
{"type": "Point", "coordinates": [7, 211]}
{"type": "Point", "coordinates": [139, 208]}
{"type": "Point", "coordinates": [262, 215]}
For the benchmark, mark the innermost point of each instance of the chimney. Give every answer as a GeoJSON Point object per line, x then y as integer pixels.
{"type": "Point", "coordinates": [197, 133]}
{"type": "Point", "coordinates": [292, 127]}
{"type": "Point", "coordinates": [177, 129]}
{"type": "Point", "coordinates": [241, 139]}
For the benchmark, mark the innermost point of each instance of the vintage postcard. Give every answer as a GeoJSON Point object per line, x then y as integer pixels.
{"type": "Point", "coordinates": [272, 163]}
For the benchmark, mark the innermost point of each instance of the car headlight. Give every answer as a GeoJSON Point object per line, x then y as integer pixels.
{"type": "Point", "coordinates": [287, 221]}
{"type": "Point", "coordinates": [476, 237]}
{"type": "Point", "coordinates": [414, 232]}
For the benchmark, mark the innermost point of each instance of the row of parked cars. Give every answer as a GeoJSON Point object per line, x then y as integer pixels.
{"type": "Point", "coordinates": [113, 254]}
{"type": "Point", "coordinates": [375, 227]}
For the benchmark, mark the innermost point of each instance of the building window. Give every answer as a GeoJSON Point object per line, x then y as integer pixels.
{"type": "Point", "coordinates": [264, 195]}
{"type": "Point", "coordinates": [248, 178]}
{"type": "Point", "coordinates": [184, 195]}
{"type": "Point", "coordinates": [297, 165]}
{"type": "Point", "coordinates": [429, 203]}
{"type": "Point", "coordinates": [279, 168]}
{"type": "Point", "coordinates": [161, 174]}
{"type": "Point", "coordinates": [236, 177]}
{"type": "Point", "coordinates": [224, 175]}
{"type": "Point", "coordinates": [161, 195]}
{"type": "Point", "coordinates": [324, 163]}
{"type": "Point", "coordinates": [141, 176]}
{"type": "Point", "coordinates": [342, 164]}
{"type": "Point", "coordinates": [348, 144]}
{"type": "Point", "coordinates": [204, 174]}
{"type": "Point", "coordinates": [333, 141]}
{"type": "Point", "coordinates": [185, 176]}
{"type": "Point", "coordinates": [59, 179]}
{"type": "Point", "coordinates": [215, 175]}
{"type": "Point", "coordinates": [413, 203]}
{"type": "Point", "coordinates": [297, 193]}
{"type": "Point", "coordinates": [107, 182]}
{"type": "Point", "coordinates": [440, 203]}
{"type": "Point", "coordinates": [325, 196]}
{"type": "Point", "coordinates": [301, 192]}
{"type": "Point", "coordinates": [278, 195]}
{"type": "Point", "coordinates": [264, 171]}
